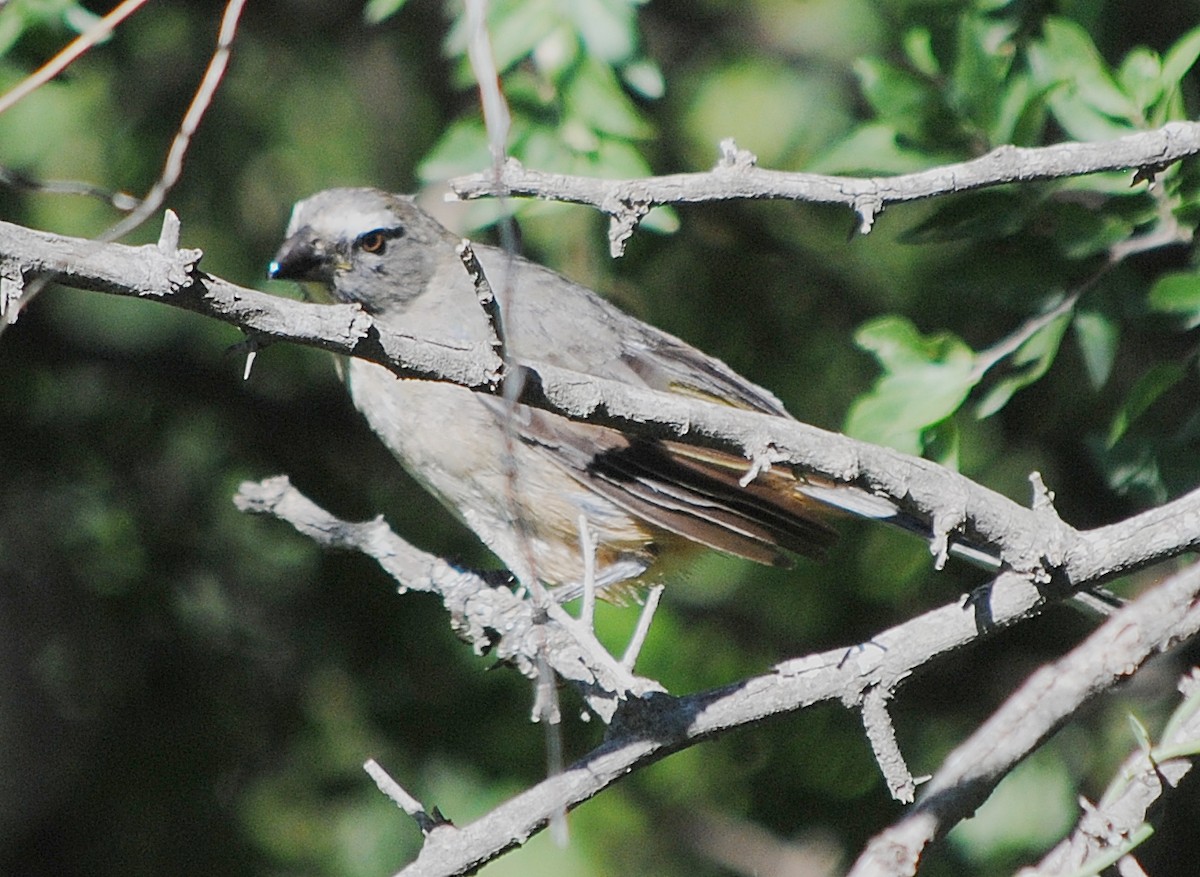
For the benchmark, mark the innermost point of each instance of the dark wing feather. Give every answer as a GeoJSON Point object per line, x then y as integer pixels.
{"type": "Point", "coordinates": [694, 496]}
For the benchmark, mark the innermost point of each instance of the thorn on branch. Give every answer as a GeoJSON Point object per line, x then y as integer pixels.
{"type": "Point", "coordinates": [12, 287]}
{"type": "Point", "coordinates": [761, 463]}
{"type": "Point", "coordinates": [425, 820]}
{"type": "Point", "coordinates": [1043, 505]}
{"type": "Point", "coordinates": [945, 522]}
{"type": "Point", "coordinates": [1147, 174]}
{"type": "Point", "coordinates": [1043, 497]}
{"type": "Point", "coordinates": [181, 273]}
{"type": "Point", "coordinates": [168, 238]}
{"type": "Point", "coordinates": [867, 207]}
{"type": "Point", "coordinates": [732, 158]}
{"type": "Point", "coordinates": [249, 346]}
{"type": "Point", "coordinates": [623, 222]}
{"type": "Point", "coordinates": [882, 733]}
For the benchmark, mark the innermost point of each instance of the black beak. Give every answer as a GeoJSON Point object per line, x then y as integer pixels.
{"type": "Point", "coordinates": [300, 258]}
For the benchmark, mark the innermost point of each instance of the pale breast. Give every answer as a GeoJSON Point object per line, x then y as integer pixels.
{"type": "Point", "coordinates": [516, 498]}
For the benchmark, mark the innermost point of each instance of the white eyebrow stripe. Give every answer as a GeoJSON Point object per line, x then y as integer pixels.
{"type": "Point", "coordinates": [350, 223]}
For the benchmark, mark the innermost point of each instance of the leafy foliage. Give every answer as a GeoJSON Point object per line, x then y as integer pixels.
{"type": "Point", "coordinates": [992, 81]}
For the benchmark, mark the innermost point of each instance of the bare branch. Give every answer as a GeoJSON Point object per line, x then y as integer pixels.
{"type": "Point", "coordinates": [736, 176]}
{"type": "Point", "coordinates": [493, 620]}
{"type": "Point", "coordinates": [1157, 621]}
{"type": "Point", "coordinates": [1030, 542]}
{"type": "Point", "coordinates": [173, 166]}
{"type": "Point", "coordinates": [647, 724]}
{"type": "Point", "coordinates": [401, 798]}
{"type": "Point", "coordinates": [652, 725]}
{"type": "Point", "coordinates": [644, 728]}
{"type": "Point", "coordinates": [1109, 829]}
{"type": "Point", "coordinates": [882, 734]}
{"type": "Point", "coordinates": [60, 62]}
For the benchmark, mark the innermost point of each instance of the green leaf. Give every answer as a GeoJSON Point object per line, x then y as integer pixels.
{"type": "Point", "coordinates": [616, 159]}
{"type": "Point", "coordinates": [986, 215]}
{"type": "Point", "coordinates": [872, 148]}
{"type": "Point", "coordinates": [555, 54]}
{"type": "Point", "coordinates": [1080, 231]}
{"type": "Point", "coordinates": [1150, 387]}
{"type": "Point", "coordinates": [608, 28]}
{"type": "Point", "coordinates": [1140, 733]}
{"type": "Point", "coordinates": [918, 48]}
{"type": "Point", "coordinates": [983, 59]}
{"type": "Point", "coordinates": [1028, 364]}
{"type": "Point", "coordinates": [1177, 292]}
{"type": "Point", "coordinates": [1021, 115]}
{"type": "Point", "coordinates": [645, 78]}
{"type": "Point", "coordinates": [1180, 58]}
{"type": "Point", "coordinates": [1140, 76]}
{"type": "Point", "coordinates": [661, 220]}
{"type": "Point", "coordinates": [896, 343]}
{"type": "Point", "coordinates": [943, 443]}
{"type": "Point", "coordinates": [462, 149]}
{"type": "Point", "coordinates": [380, 10]}
{"type": "Point", "coordinates": [595, 98]}
{"type": "Point", "coordinates": [516, 28]}
{"type": "Point", "coordinates": [1084, 98]}
{"type": "Point", "coordinates": [925, 380]}
{"type": "Point", "coordinates": [1097, 337]}
{"type": "Point", "coordinates": [1132, 469]}
{"type": "Point", "coordinates": [898, 97]}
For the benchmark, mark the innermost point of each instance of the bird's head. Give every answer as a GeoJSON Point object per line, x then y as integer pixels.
{"type": "Point", "coordinates": [362, 245]}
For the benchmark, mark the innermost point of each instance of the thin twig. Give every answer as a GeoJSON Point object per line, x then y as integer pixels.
{"type": "Point", "coordinates": [70, 54]}
{"type": "Point", "coordinates": [496, 117]}
{"type": "Point", "coordinates": [1012, 342]}
{"type": "Point", "coordinates": [401, 798]}
{"type": "Point", "coordinates": [173, 166]}
{"type": "Point", "coordinates": [643, 628]}
{"type": "Point", "coordinates": [20, 181]}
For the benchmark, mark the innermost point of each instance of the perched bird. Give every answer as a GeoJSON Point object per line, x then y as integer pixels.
{"type": "Point", "coordinates": [524, 479]}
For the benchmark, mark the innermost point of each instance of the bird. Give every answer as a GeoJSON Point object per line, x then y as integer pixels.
{"type": "Point", "coordinates": [539, 490]}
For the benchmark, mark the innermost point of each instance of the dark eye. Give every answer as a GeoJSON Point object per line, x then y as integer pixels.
{"type": "Point", "coordinates": [373, 242]}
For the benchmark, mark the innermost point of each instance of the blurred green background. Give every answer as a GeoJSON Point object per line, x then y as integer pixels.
{"type": "Point", "coordinates": [187, 690]}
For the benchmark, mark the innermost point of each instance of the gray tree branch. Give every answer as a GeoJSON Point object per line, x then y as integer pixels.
{"type": "Point", "coordinates": [1044, 557]}
{"type": "Point", "coordinates": [646, 723]}
{"type": "Point", "coordinates": [737, 176]}
{"type": "Point", "coordinates": [1030, 541]}
{"type": "Point", "coordinates": [1113, 826]}
{"type": "Point", "coordinates": [1158, 620]}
